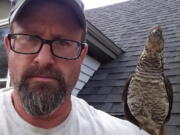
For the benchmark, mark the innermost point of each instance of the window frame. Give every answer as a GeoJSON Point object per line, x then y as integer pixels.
{"type": "Point", "coordinates": [4, 23]}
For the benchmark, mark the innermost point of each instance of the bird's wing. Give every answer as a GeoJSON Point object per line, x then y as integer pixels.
{"type": "Point", "coordinates": [170, 95]}
{"type": "Point", "coordinates": [128, 113]}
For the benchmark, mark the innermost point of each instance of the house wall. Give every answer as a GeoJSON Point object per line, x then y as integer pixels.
{"type": "Point", "coordinates": [89, 66]}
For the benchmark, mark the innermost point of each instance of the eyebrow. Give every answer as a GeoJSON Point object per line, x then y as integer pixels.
{"type": "Point", "coordinates": [54, 36]}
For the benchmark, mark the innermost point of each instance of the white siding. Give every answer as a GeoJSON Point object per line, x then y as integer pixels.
{"type": "Point", "coordinates": [89, 66]}
{"type": "Point", "coordinates": [6, 80]}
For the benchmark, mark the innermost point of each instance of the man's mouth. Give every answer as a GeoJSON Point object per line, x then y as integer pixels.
{"type": "Point", "coordinates": [42, 78]}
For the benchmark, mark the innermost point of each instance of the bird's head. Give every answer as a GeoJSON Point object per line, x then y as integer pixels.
{"type": "Point", "coordinates": [155, 43]}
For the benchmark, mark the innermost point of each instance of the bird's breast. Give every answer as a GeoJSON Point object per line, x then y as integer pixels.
{"type": "Point", "coordinates": [147, 99]}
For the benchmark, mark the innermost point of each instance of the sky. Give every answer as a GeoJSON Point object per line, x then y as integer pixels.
{"type": "Point", "coordinates": [89, 4]}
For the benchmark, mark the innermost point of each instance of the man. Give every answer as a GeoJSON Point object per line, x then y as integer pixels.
{"type": "Point", "coordinates": [45, 50]}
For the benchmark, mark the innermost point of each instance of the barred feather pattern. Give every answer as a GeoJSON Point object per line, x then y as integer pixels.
{"type": "Point", "coordinates": [147, 96]}
{"type": "Point", "coordinates": [148, 100]}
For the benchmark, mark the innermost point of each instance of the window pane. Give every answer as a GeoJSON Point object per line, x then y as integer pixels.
{"type": "Point", "coordinates": [2, 84]}
{"type": "Point", "coordinates": [3, 56]}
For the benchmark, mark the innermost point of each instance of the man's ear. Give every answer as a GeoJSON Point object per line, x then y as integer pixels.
{"type": "Point", "coordinates": [84, 52]}
{"type": "Point", "coordinates": [7, 44]}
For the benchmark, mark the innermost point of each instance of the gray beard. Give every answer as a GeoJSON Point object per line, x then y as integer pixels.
{"type": "Point", "coordinates": [40, 99]}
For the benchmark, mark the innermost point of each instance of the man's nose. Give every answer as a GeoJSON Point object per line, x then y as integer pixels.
{"type": "Point", "coordinates": [45, 56]}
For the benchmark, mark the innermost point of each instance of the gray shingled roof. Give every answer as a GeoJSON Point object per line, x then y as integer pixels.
{"type": "Point", "coordinates": [127, 25]}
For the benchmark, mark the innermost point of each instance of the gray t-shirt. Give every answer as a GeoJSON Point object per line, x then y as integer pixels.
{"type": "Point", "coordinates": [82, 120]}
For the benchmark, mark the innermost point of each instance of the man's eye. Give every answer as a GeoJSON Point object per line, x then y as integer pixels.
{"type": "Point", "coordinates": [62, 43]}
{"type": "Point", "coordinates": [22, 38]}
{"type": "Point", "coordinates": [29, 39]}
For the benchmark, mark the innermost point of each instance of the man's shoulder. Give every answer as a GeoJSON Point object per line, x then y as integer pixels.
{"type": "Point", "coordinates": [5, 89]}
{"type": "Point", "coordinates": [107, 123]}
{"type": "Point", "coordinates": [4, 93]}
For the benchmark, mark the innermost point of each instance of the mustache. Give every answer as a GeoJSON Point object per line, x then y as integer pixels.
{"type": "Point", "coordinates": [46, 72]}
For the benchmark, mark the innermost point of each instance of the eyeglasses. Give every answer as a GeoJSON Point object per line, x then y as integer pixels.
{"type": "Point", "coordinates": [32, 44]}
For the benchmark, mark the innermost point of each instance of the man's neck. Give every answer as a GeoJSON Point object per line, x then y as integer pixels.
{"type": "Point", "coordinates": [48, 122]}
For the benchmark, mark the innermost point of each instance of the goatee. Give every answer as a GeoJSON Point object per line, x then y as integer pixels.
{"type": "Point", "coordinates": [40, 98]}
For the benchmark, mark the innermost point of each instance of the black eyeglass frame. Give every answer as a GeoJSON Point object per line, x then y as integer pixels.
{"type": "Point", "coordinates": [48, 42]}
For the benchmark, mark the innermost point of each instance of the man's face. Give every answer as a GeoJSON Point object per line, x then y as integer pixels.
{"type": "Point", "coordinates": [43, 81]}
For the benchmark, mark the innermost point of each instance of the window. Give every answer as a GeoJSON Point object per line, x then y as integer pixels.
{"type": "Point", "coordinates": [4, 80]}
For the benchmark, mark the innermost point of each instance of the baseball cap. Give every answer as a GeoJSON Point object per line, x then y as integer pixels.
{"type": "Point", "coordinates": [76, 5]}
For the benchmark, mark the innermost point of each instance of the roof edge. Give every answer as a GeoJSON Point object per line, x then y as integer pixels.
{"type": "Point", "coordinates": [3, 22]}
{"type": "Point", "coordinates": [101, 45]}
